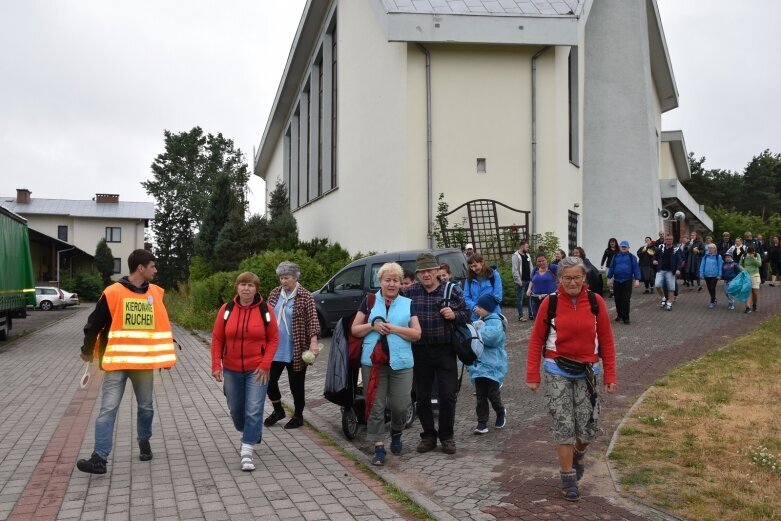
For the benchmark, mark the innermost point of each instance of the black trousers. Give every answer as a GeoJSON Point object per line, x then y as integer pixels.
{"type": "Point", "coordinates": [296, 381]}
{"type": "Point", "coordinates": [622, 293]}
{"type": "Point", "coordinates": [436, 360]}
{"type": "Point", "coordinates": [487, 391]}
{"type": "Point", "coordinates": [711, 283]}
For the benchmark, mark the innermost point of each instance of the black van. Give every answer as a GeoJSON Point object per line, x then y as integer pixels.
{"type": "Point", "coordinates": [344, 292]}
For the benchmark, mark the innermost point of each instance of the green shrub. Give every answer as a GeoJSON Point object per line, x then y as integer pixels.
{"type": "Point", "coordinates": [264, 265]}
{"type": "Point", "coordinates": [208, 294]}
{"type": "Point", "coordinates": [508, 284]}
{"type": "Point", "coordinates": [180, 309]}
{"type": "Point", "coordinates": [88, 285]}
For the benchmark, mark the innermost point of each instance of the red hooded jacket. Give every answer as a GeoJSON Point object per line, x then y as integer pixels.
{"type": "Point", "coordinates": [238, 343]}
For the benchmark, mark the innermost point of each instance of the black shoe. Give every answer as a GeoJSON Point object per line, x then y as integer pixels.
{"type": "Point", "coordinates": [427, 444]}
{"type": "Point", "coordinates": [748, 310]}
{"type": "Point", "coordinates": [626, 321]}
{"type": "Point", "coordinates": [618, 319]}
{"type": "Point", "coordinates": [295, 422]}
{"type": "Point", "coordinates": [94, 465]}
{"type": "Point", "coordinates": [753, 307]}
{"type": "Point", "coordinates": [699, 288]}
{"type": "Point", "coordinates": [449, 446]}
{"type": "Point", "coordinates": [145, 449]}
{"type": "Point", "coordinates": [274, 417]}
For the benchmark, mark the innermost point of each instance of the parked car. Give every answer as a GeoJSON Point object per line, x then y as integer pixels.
{"type": "Point", "coordinates": [343, 293]}
{"type": "Point", "coordinates": [71, 299]}
{"type": "Point", "coordinates": [48, 297]}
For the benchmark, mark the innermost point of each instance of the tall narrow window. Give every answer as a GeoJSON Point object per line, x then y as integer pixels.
{"type": "Point", "coordinates": [574, 112]}
{"type": "Point", "coordinates": [320, 128]}
{"type": "Point", "coordinates": [62, 233]}
{"type": "Point", "coordinates": [334, 105]}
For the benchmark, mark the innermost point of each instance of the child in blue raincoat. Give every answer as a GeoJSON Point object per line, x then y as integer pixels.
{"type": "Point", "coordinates": [729, 270]}
{"type": "Point", "coordinates": [488, 373]}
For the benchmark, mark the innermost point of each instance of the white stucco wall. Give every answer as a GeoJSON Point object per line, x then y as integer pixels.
{"type": "Point", "coordinates": [481, 108]}
{"type": "Point", "coordinates": [667, 170]}
{"type": "Point", "coordinates": [621, 118]}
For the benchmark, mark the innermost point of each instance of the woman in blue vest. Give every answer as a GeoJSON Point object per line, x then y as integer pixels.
{"type": "Point", "coordinates": [481, 280]}
{"type": "Point", "coordinates": [388, 327]}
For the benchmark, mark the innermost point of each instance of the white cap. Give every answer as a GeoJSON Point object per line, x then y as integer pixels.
{"type": "Point", "coordinates": [469, 246]}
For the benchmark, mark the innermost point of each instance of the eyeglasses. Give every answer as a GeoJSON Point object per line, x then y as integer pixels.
{"type": "Point", "coordinates": [569, 280]}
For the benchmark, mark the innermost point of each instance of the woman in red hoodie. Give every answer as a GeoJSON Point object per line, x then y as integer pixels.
{"type": "Point", "coordinates": [243, 346]}
{"type": "Point", "coordinates": [569, 348]}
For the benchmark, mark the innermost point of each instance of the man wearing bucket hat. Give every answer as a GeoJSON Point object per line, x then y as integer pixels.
{"type": "Point", "coordinates": [625, 272]}
{"type": "Point", "coordinates": [433, 354]}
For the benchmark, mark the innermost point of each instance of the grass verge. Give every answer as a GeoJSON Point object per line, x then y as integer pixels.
{"type": "Point", "coordinates": [706, 441]}
{"type": "Point", "coordinates": [393, 491]}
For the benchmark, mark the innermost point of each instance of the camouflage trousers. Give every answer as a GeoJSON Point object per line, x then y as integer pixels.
{"type": "Point", "coordinates": [569, 404]}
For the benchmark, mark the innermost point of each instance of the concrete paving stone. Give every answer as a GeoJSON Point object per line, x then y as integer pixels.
{"type": "Point", "coordinates": [95, 514]}
{"type": "Point", "coordinates": [118, 516]}
{"type": "Point", "coordinates": [289, 514]}
{"type": "Point", "coordinates": [219, 515]}
{"type": "Point", "coordinates": [315, 515]}
{"type": "Point", "coordinates": [69, 513]}
{"type": "Point", "coordinates": [341, 516]}
{"type": "Point", "coordinates": [351, 501]}
{"type": "Point", "coordinates": [262, 511]}
{"type": "Point", "coordinates": [190, 513]}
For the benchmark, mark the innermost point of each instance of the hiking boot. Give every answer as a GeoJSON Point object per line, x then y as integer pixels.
{"type": "Point", "coordinates": [482, 428]}
{"type": "Point", "coordinates": [569, 486]}
{"type": "Point", "coordinates": [395, 442]}
{"type": "Point", "coordinates": [379, 455]}
{"type": "Point", "coordinates": [449, 446]}
{"type": "Point", "coordinates": [295, 422]}
{"type": "Point", "coordinates": [94, 465]}
{"type": "Point", "coordinates": [145, 450]}
{"type": "Point", "coordinates": [427, 444]}
{"type": "Point", "coordinates": [274, 417]}
{"type": "Point", "coordinates": [501, 419]}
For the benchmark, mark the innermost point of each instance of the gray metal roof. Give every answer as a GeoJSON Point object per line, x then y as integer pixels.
{"type": "Point", "coordinates": [487, 7]}
{"type": "Point", "coordinates": [120, 210]}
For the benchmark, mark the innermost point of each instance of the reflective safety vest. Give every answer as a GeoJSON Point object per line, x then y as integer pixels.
{"type": "Point", "coordinates": [140, 336]}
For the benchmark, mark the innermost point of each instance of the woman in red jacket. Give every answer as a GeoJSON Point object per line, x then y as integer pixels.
{"type": "Point", "coordinates": [243, 346]}
{"type": "Point", "coordinates": [570, 349]}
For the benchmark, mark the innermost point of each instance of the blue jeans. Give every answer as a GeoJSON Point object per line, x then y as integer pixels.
{"type": "Point", "coordinates": [534, 304]}
{"type": "Point", "coordinates": [246, 398]}
{"type": "Point", "coordinates": [520, 294]}
{"type": "Point", "coordinates": [111, 396]}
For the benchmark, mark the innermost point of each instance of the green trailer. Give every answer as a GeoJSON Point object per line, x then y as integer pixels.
{"type": "Point", "coordinates": [17, 285]}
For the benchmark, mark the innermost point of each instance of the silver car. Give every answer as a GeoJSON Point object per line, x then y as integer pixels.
{"type": "Point", "coordinates": [71, 299]}
{"type": "Point", "coordinates": [48, 297]}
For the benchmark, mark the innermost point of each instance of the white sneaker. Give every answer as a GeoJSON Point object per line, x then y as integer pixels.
{"type": "Point", "coordinates": [668, 306]}
{"type": "Point", "coordinates": [664, 303]}
{"type": "Point", "coordinates": [247, 464]}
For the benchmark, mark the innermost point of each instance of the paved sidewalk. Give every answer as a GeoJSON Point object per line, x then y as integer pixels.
{"type": "Point", "coordinates": [46, 424]}
{"type": "Point", "coordinates": [512, 473]}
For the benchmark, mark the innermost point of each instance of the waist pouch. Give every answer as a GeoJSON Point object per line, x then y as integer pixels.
{"type": "Point", "coordinates": [572, 366]}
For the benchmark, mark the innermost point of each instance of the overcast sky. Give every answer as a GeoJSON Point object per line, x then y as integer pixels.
{"type": "Point", "coordinates": [87, 87]}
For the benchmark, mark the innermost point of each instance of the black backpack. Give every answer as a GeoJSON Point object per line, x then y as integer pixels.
{"type": "Point", "coordinates": [264, 315]}
{"type": "Point", "coordinates": [461, 335]}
